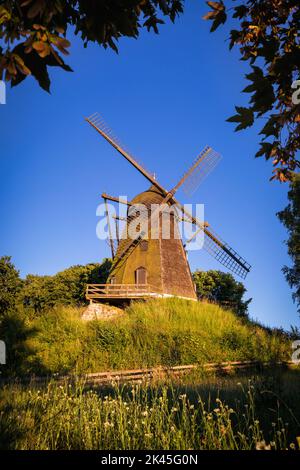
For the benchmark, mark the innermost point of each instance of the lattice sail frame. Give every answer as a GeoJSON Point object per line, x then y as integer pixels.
{"type": "Point", "coordinates": [204, 167]}
{"type": "Point", "coordinates": [218, 248]}
{"type": "Point", "coordinates": [226, 255]}
{"type": "Point", "coordinates": [97, 121]}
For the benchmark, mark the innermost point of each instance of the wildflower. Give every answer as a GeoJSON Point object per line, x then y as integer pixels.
{"type": "Point", "coordinates": [173, 410]}
{"type": "Point", "coordinates": [182, 397]}
{"type": "Point", "coordinates": [148, 434]}
{"type": "Point", "coordinates": [172, 428]}
{"type": "Point", "coordinates": [145, 413]}
{"type": "Point", "coordinates": [223, 430]}
{"type": "Point", "coordinates": [217, 410]}
{"type": "Point", "coordinates": [261, 445]}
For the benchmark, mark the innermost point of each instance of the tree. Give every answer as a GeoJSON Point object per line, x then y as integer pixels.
{"type": "Point", "coordinates": [222, 288]}
{"type": "Point", "coordinates": [267, 35]}
{"type": "Point", "coordinates": [16, 332]}
{"type": "Point", "coordinates": [33, 32]}
{"type": "Point", "coordinates": [13, 328]}
{"type": "Point", "coordinates": [64, 288]}
{"type": "Point", "coordinates": [290, 217]}
{"type": "Point", "coordinates": [10, 285]}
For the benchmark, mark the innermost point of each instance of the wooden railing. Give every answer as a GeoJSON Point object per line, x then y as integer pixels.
{"type": "Point", "coordinates": [123, 376]}
{"type": "Point", "coordinates": [128, 291]}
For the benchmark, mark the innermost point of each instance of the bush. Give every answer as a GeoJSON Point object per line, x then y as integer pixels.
{"type": "Point", "coordinates": [10, 285]}
{"type": "Point", "coordinates": [64, 288]}
{"type": "Point", "coordinates": [222, 288]}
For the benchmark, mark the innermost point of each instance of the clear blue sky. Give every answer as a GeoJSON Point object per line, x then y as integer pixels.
{"type": "Point", "coordinates": [166, 96]}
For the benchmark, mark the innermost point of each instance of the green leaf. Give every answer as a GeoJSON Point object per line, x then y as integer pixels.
{"type": "Point", "coordinates": [216, 5]}
{"type": "Point", "coordinates": [234, 37]}
{"type": "Point", "coordinates": [220, 19]}
{"type": "Point", "coordinates": [218, 15]}
{"type": "Point", "coordinates": [36, 65]}
{"type": "Point", "coordinates": [52, 62]}
{"type": "Point", "coordinates": [263, 94]}
{"type": "Point", "coordinates": [240, 11]}
{"type": "Point", "coordinates": [270, 128]}
{"type": "Point", "coordinates": [245, 118]}
{"type": "Point", "coordinates": [265, 149]}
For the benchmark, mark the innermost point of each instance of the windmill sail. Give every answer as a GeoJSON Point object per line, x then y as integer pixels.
{"type": "Point", "coordinates": [226, 255]}
{"type": "Point", "coordinates": [219, 249]}
{"type": "Point", "coordinates": [203, 165]}
{"type": "Point", "coordinates": [96, 121]}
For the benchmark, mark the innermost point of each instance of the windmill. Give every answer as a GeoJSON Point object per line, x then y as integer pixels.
{"type": "Point", "coordinates": [145, 265]}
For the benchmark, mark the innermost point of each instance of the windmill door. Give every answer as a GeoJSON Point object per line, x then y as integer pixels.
{"type": "Point", "coordinates": [141, 276]}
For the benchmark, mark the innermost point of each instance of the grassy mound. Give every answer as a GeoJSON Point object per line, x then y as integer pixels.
{"type": "Point", "coordinates": [158, 332]}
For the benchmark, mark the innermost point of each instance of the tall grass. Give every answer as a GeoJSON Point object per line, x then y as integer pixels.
{"type": "Point", "coordinates": [157, 332]}
{"type": "Point", "coordinates": [68, 417]}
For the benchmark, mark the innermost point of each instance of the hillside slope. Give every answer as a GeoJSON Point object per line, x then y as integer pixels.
{"type": "Point", "coordinates": [158, 332]}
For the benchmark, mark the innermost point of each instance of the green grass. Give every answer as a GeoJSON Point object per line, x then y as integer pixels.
{"type": "Point", "coordinates": [158, 332]}
{"type": "Point", "coordinates": [199, 412]}
{"type": "Point", "coordinates": [212, 415]}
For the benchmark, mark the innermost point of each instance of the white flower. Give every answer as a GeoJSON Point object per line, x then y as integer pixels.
{"type": "Point", "coordinates": [262, 446]}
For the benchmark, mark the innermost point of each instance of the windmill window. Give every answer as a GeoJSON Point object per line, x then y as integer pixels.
{"type": "Point", "coordinates": [113, 280]}
{"type": "Point", "coordinates": [144, 245]}
{"type": "Point", "coordinates": [141, 276]}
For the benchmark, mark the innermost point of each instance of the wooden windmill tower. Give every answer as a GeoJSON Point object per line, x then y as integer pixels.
{"type": "Point", "coordinates": [149, 264]}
